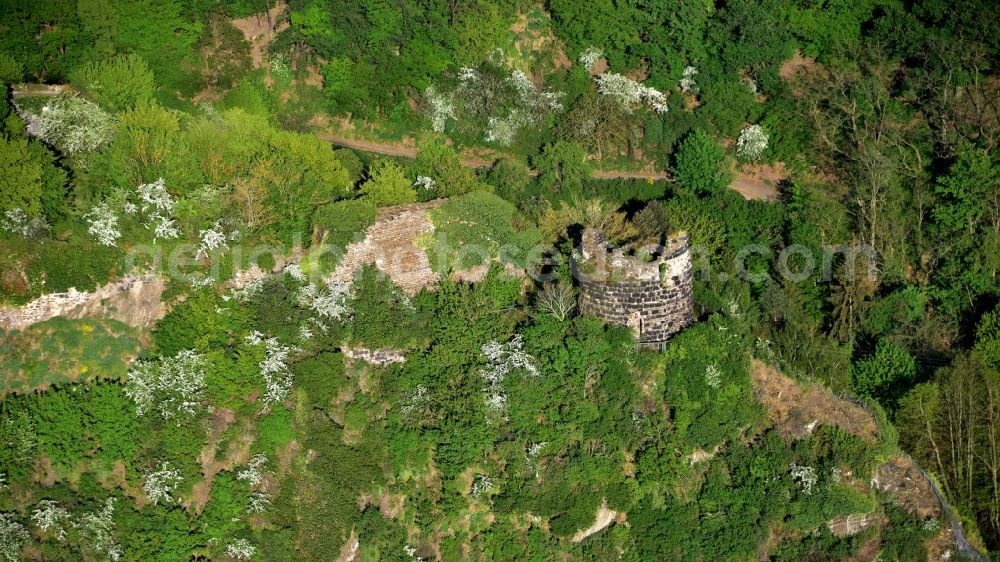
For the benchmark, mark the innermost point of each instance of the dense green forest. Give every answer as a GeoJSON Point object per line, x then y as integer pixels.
{"type": "Point", "coordinates": [833, 162]}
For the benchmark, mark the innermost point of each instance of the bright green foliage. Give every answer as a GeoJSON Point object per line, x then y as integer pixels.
{"type": "Point", "coordinates": [383, 315]}
{"type": "Point", "coordinates": [509, 179]}
{"type": "Point", "coordinates": [442, 164]}
{"type": "Point", "coordinates": [883, 374]}
{"type": "Point", "coordinates": [117, 84]}
{"type": "Point", "coordinates": [988, 337]}
{"type": "Point", "coordinates": [562, 168]}
{"type": "Point", "coordinates": [700, 164]}
{"type": "Point", "coordinates": [475, 228]}
{"type": "Point", "coordinates": [21, 180]}
{"type": "Point", "coordinates": [11, 71]}
{"type": "Point", "coordinates": [387, 185]}
{"type": "Point", "coordinates": [344, 221]}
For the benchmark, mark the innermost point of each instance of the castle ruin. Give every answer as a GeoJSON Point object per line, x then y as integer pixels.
{"type": "Point", "coordinates": [651, 292]}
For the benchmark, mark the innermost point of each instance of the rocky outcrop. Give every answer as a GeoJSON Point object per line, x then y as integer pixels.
{"type": "Point", "coordinates": [132, 300]}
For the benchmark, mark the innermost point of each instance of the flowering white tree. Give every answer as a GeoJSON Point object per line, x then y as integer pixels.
{"type": "Point", "coordinates": [330, 302]}
{"type": "Point", "coordinates": [255, 470]}
{"type": "Point", "coordinates": [97, 530]}
{"type": "Point", "coordinates": [589, 57]}
{"type": "Point", "coordinates": [503, 359]}
{"type": "Point", "coordinates": [483, 484]}
{"type": "Point", "coordinates": [241, 549]}
{"type": "Point", "coordinates": [630, 93]}
{"type": "Point", "coordinates": [211, 239]}
{"type": "Point", "coordinates": [49, 517]}
{"type": "Point", "coordinates": [161, 483]}
{"type": "Point", "coordinates": [751, 143]}
{"type": "Point", "coordinates": [170, 386]}
{"type": "Point", "coordinates": [442, 108]}
{"type": "Point", "coordinates": [74, 124]}
{"type": "Point", "coordinates": [688, 84]}
{"type": "Point", "coordinates": [12, 537]}
{"type": "Point", "coordinates": [17, 222]}
{"type": "Point", "coordinates": [425, 182]}
{"type": "Point", "coordinates": [505, 99]}
{"type": "Point", "coordinates": [273, 368]}
{"type": "Point", "coordinates": [103, 224]}
{"type": "Point", "coordinates": [253, 475]}
{"type": "Point", "coordinates": [804, 476]}
{"type": "Point", "coordinates": [713, 376]}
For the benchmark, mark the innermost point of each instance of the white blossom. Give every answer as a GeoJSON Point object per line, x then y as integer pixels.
{"type": "Point", "coordinates": [163, 227]}
{"type": "Point", "coordinates": [241, 549]}
{"type": "Point", "coordinates": [17, 222]}
{"type": "Point", "coordinates": [273, 368]}
{"type": "Point", "coordinates": [589, 57]}
{"type": "Point", "coordinates": [249, 290]}
{"type": "Point", "coordinates": [713, 376]}
{"type": "Point", "coordinates": [162, 483]}
{"type": "Point", "coordinates": [259, 502]}
{"type": "Point", "coordinates": [425, 182]}
{"type": "Point", "coordinates": [279, 67]}
{"type": "Point", "coordinates": [751, 143]}
{"type": "Point", "coordinates": [103, 224]}
{"type": "Point", "coordinates": [467, 75]}
{"type": "Point", "coordinates": [804, 476]}
{"type": "Point", "coordinates": [254, 338]}
{"type": "Point", "coordinates": [482, 485]}
{"type": "Point", "coordinates": [532, 456]}
{"type": "Point", "coordinates": [502, 359]}
{"type": "Point", "coordinates": [442, 108]}
{"type": "Point", "coordinates": [330, 302]}
{"type": "Point", "coordinates": [97, 530]}
{"type": "Point", "coordinates": [254, 472]}
{"type": "Point", "coordinates": [295, 272]}
{"type": "Point", "coordinates": [49, 516]}
{"type": "Point", "coordinates": [688, 84]}
{"type": "Point", "coordinates": [12, 537]}
{"type": "Point", "coordinates": [74, 124]}
{"type": "Point", "coordinates": [154, 197]}
{"type": "Point", "coordinates": [171, 386]}
{"type": "Point", "coordinates": [630, 93]}
{"type": "Point", "coordinates": [305, 333]}
{"type": "Point", "coordinates": [211, 239]}
{"type": "Point", "coordinates": [415, 401]}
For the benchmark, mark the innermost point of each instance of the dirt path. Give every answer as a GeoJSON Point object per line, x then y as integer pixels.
{"type": "Point", "coordinates": [754, 189]}
{"type": "Point", "coordinates": [749, 187]}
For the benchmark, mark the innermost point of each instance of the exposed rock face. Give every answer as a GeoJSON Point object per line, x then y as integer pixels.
{"type": "Point", "coordinates": [132, 300]}
{"type": "Point", "coordinates": [390, 245]}
{"type": "Point", "coordinates": [654, 298]}
{"type": "Point", "coordinates": [379, 357]}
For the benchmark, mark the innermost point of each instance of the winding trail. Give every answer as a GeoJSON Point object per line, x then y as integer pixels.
{"type": "Point", "coordinates": [749, 189]}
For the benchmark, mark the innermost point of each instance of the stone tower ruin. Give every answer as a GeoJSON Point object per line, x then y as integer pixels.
{"type": "Point", "coordinates": [651, 293]}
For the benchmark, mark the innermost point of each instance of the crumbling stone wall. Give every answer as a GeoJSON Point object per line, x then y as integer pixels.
{"type": "Point", "coordinates": [654, 298]}
{"type": "Point", "coordinates": [379, 357]}
{"type": "Point", "coordinates": [390, 245]}
{"type": "Point", "coordinates": [132, 300]}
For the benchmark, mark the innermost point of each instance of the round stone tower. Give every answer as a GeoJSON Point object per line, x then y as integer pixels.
{"type": "Point", "coordinates": [650, 293]}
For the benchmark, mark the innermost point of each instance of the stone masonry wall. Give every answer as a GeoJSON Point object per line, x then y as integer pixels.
{"type": "Point", "coordinates": [132, 300]}
{"type": "Point", "coordinates": [654, 298]}
{"type": "Point", "coordinates": [390, 245]}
